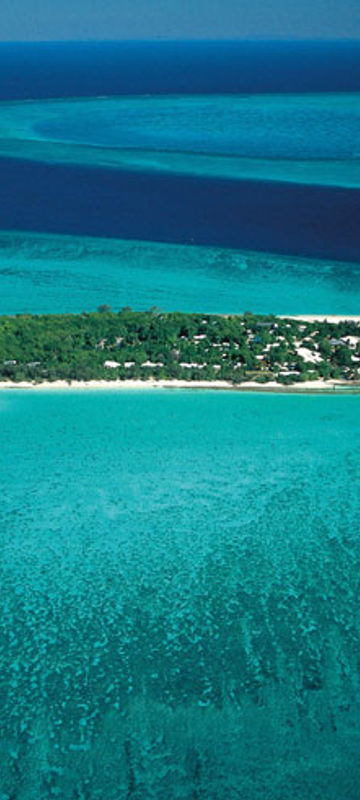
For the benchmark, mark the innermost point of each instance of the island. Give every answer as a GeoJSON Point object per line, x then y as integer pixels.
{"type": "Point", "coordinates": [235, 351]}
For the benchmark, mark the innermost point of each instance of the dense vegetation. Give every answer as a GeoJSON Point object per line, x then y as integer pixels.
{"type": "Point", "coordinates": [129, 344]}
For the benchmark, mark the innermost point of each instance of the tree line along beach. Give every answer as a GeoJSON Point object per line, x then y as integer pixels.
{"type": "Point", "coordinates": [137, 348]}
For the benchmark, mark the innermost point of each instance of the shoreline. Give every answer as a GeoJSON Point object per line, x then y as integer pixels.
{"type": "Point", "coordinates": [307, 387]}
{"type": "Point", "coordinates": [311, 357]}
{"type": "Point", "coordinates": [333, 319]}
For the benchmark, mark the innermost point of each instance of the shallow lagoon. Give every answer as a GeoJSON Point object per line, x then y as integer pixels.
{"type": "Point", "coordinates": [44, 273]}
{"type": "Point", "coordinates": [311, 138]}
{"type": "Point", "coordinates": [179, 606]}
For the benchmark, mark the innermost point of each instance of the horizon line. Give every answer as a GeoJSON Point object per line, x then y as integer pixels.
{"type": "Point", "coordinates": [189, 40]}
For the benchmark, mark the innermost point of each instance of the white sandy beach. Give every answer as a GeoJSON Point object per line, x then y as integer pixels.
{"type": "Point", "coordinates": [333, 318]}
{"type": "Point", "coordinates": [116, 385]}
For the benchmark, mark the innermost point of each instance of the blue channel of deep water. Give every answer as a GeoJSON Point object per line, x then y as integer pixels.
{"type": "Point", "coordinates": [272, 217]}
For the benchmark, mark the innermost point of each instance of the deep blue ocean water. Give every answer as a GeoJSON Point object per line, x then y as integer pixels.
{"type": "Point", "coordinates": [280, 218]}
{"type": "Point", "coordinates": [94, 68]}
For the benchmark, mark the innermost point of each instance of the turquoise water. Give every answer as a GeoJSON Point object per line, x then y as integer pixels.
{"type": "Point", "coordinates": [42, 273]}
{"type": "Point", "coordinates": [259, 126]}
{"type": "Point", "coordinates": [179, 606]}
{"type": "Point", "coordinates": [311, 138]}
